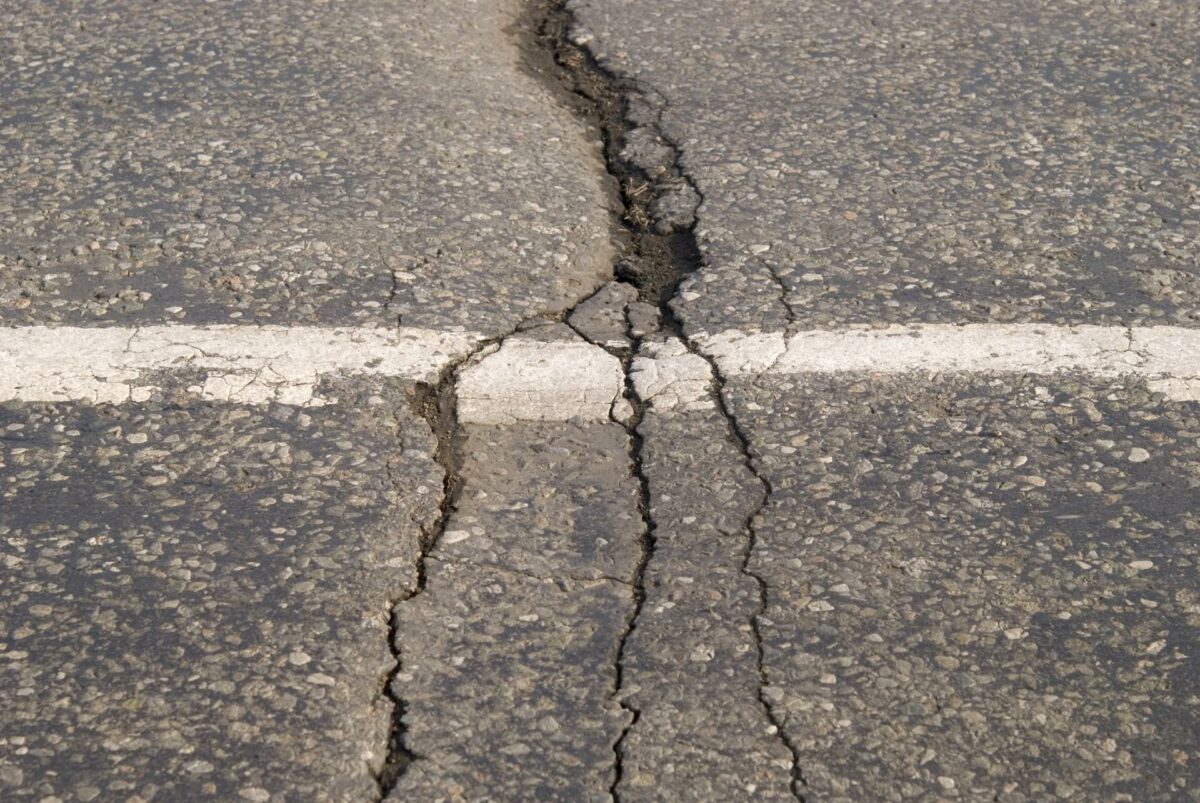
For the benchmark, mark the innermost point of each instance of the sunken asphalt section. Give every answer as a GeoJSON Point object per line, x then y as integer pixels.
{"type": "Point", "coordinates": [603, 546]}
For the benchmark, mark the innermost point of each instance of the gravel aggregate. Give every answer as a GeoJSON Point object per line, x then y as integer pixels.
{"type": "Point", "coordinates": [356, 162]}
{"type": "Point", "coordinates": [980, 588]}
{"type": "Point", "coordinates": [196, 595]}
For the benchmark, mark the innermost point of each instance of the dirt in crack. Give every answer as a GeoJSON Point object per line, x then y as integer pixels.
{"type": "Point", "coordinates": [658, 200]}
{"type": "Point", "coordinates": [659, 203]}
{"type": "Point", "coordinates": [437, 405]}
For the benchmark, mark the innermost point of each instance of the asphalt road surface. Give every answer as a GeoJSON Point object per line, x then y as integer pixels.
{"type": "Point", "coordinates": [619, 401]}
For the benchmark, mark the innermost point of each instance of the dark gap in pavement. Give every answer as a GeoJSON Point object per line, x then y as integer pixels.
{"type": "Point", "coordinates": [437, 404]}
{"type": "Point", "coordinates": [658, 200]}
{"type": "Point", "coordinates": [659, 249]}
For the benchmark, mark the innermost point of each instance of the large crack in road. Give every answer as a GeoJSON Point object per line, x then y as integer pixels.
{"type": "Point", "coordinates": [659, 203]}
{"type": "Point", "coordinates": [655, 222]}
{"type": "Point", "coordinates": [436, 402]}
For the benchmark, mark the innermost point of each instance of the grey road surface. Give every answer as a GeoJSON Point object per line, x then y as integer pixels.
{"type": "Point", "coordinates": [976, 587]}
{"type": "Point", "coordinates": [354, 162]}
{"type": "Point", "coordinates": [921, 161]}
{"type": "Point", "coordinates": [481, 450]}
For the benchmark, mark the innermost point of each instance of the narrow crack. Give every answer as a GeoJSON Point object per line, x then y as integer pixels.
{"type": "Point", "coordinates": [436, 403]}
{"type": "Point", "coordinates": [783, 295]}
{"type": "Point", "coordinates": [660, 249]}
{"type": "Point", "coordinates": [648, 545]}
{"type": "Point", "coordinates": [739, 437]}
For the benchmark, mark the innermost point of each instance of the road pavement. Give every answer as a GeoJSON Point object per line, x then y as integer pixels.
{"type": "Point", "coordinates": [617, 401]}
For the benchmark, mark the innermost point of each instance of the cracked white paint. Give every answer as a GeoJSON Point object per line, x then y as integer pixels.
{"type": "Point", "coordinates": [1168, 358]}
{"type": "Point", "coordinates": [238, 363]}
{"type": "Point", "coordinates": [667, 377]}
{"type": "Point", "coordinates": [739, 353]}
{"type": "Point", "coordinates": [531, 380]}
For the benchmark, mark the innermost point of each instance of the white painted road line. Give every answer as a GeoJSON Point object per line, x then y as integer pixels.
{"type": "Point", "coordinates": [529, 380]}
{"type": "Point", "coordinates": [247, 364]}
{"type": "Point", "coordinates": [1167, 357]}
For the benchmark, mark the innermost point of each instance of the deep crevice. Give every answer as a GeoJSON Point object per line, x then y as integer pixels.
{"type": "Point", "coordinates": [658, 200]}
{"type": "Point", "coordinates": [659, 250]}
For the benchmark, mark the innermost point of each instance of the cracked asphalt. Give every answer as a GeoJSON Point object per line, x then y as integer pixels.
{"type": "Point", "coordinates": [576, 401]}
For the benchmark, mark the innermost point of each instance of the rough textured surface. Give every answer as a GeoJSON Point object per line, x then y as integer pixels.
{"type": "Point", "coordinates": [355, 162]}
{"type": "Point", "coordinates": [980, 589]}
{"type": "Point", "coordinates": [668, 377]}
{"type": "Point", "coordinates": [923, 161]}
{"type": "Point", "coordinates": [509, 654]}
{"type": "Point", "coordinates": [195, 602]}
{"type": "Point", "coordinates": [601, 318]}
{"type": "Point", "coordinates": [860, 587]}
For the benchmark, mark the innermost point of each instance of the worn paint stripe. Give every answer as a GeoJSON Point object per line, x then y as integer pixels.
{"type": "Point", "coordinates": [527, 379]}
{"type": "Point", "coordinates": [236, 363]}
{"type": "Point", "coordinates": [1167, 357]}
{"type": "Point", "coordinates": [532, 380]}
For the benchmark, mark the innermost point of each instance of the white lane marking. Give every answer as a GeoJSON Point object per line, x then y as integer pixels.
{"type": "Point", "coordinates": [1167, 357]}
{"type": "Point", "coordinates": [246, 364]}
{"type": "Point", "coordinates": [530, 380]}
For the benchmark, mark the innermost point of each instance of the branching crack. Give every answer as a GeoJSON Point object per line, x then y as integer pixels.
{"type": "Point", "coordinates": [660, 201]}
{"type": "Point", "coordinates": [437, 403]}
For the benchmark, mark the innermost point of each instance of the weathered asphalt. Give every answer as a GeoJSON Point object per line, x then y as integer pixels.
{"type": "Point", "coordinates": [588, 547]}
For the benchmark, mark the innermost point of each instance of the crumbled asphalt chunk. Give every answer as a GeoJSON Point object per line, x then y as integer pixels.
{"type": "Point", "coordinates": [195, 594]}
{"type": "Point", "coordinates": [674, 208]}
{"type": "Point", "coordinates": [601, 319]}
{"type": "Point", "coordinates": [297, 162]}
{"type": "Point", "coordinates": [973, 592]}
{"type": "Point", "coordinates": [645, 320]}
